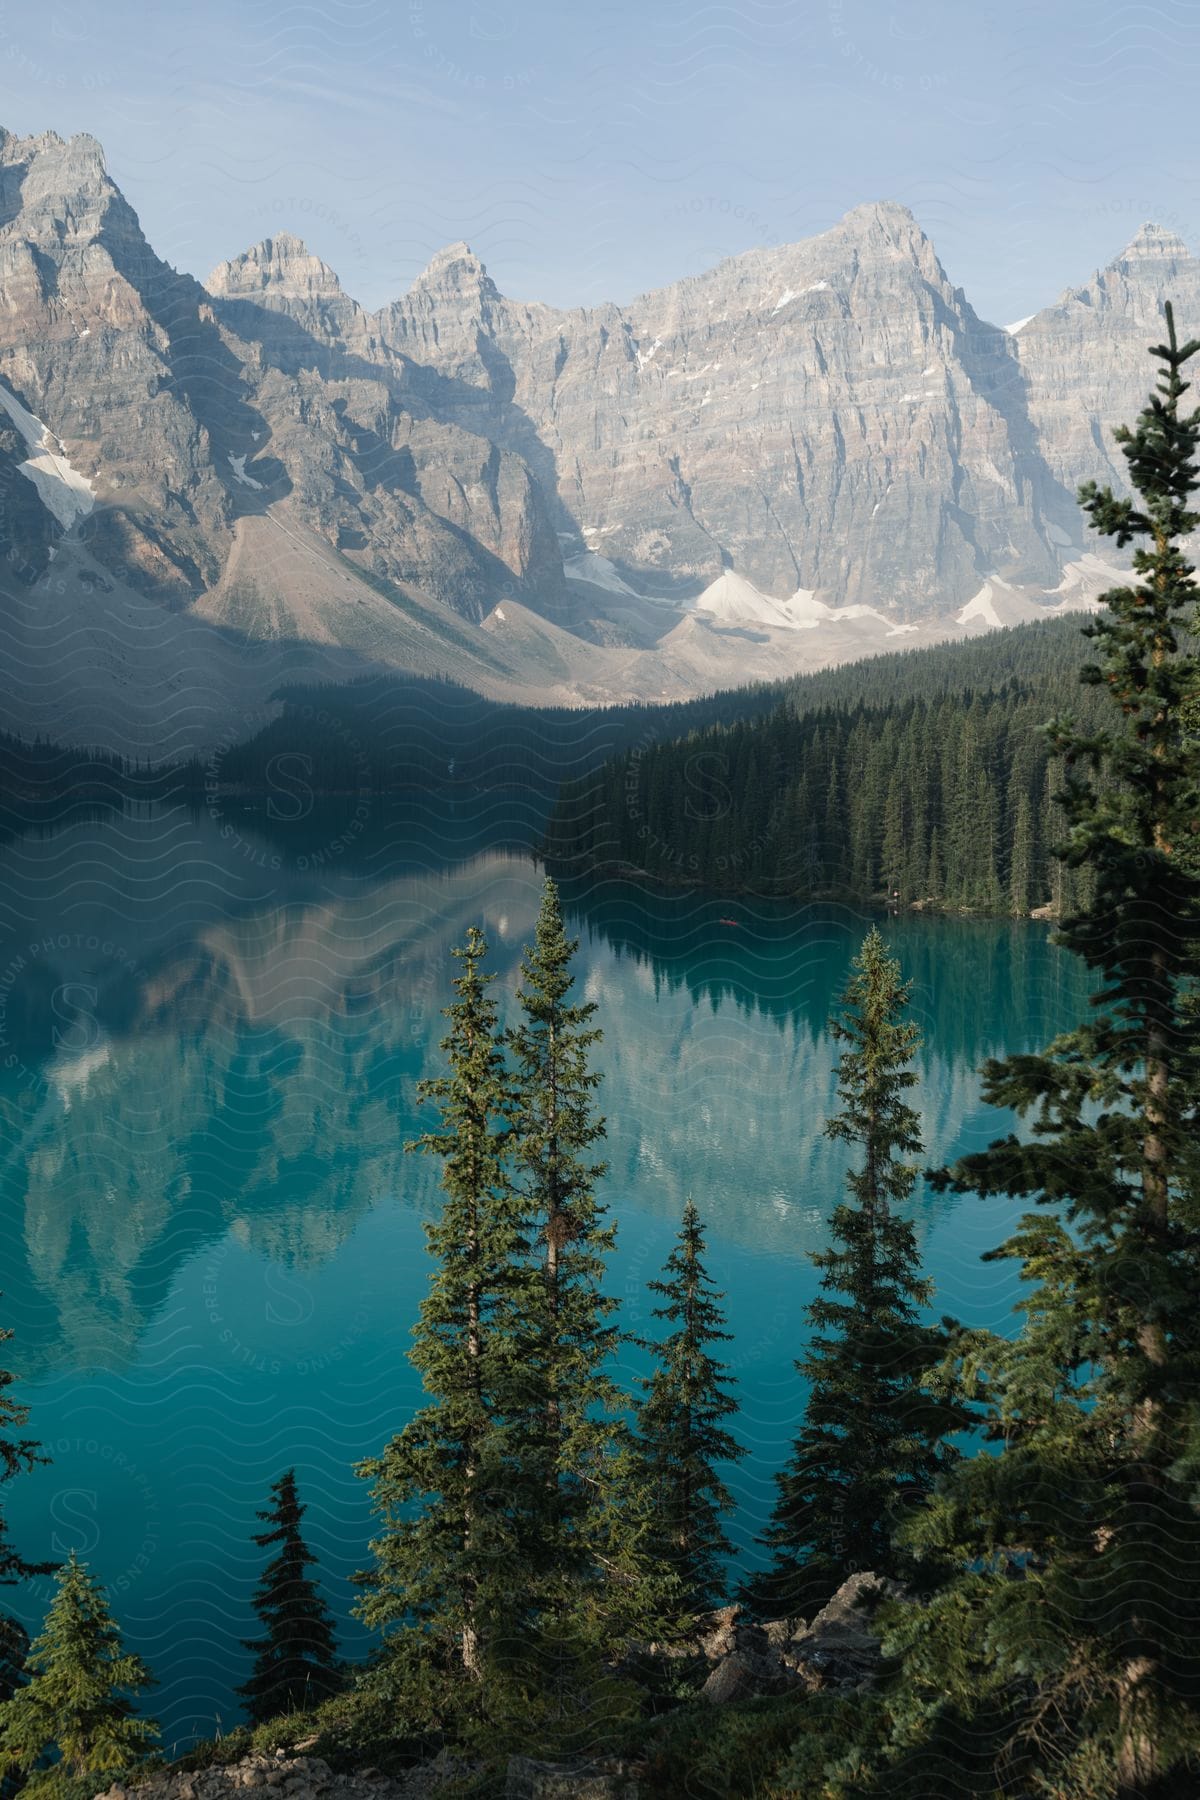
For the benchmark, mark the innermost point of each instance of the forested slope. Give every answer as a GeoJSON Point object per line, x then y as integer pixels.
{"type": "Point", "coordinates": [925, 776]}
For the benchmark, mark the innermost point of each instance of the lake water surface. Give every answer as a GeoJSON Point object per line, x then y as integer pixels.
{"type": "Point", "coordinates": [210, 1039]}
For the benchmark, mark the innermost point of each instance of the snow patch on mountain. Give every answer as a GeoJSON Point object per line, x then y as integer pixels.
{"type": "Point", "coordinates": [999, 603]}
{"type": "Point", "coordinates": [789, 294]}
{"type": "Point", "coordinates": [599, 571]}
{"type": "Point", "coordinates": [61, 489]}
{"type": "Point", "coordinates": [733, 600]}
{"type": "Point", "coordinates": [1084, 580]}
{"type": "Point", "coordinates": [239, 474]}
{"type": "Point", "coordinates": [981, 606]}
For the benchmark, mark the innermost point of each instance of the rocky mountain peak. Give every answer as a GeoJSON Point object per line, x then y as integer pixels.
{"type": "Point", "coordinates": [882, 227]}
{"type": "Point", "coordinates": [280, 267]}
{"type": "Point", "coordinates": [82, 151]}
{"type": "Point", "coordinates": [456, 270]}
{"type": "Point", "coordinates": [1153, 243]}
{"type": "Point", "coordinates": [450, 309]}
{"type": "Point", "coordinates": [72, 254]}
{"type": "Point", "coordinates": [883, 232]}
{"type": "Point", "coordinates": [58, 189]}
{"type": "Point", "coordinates": [887, 216]}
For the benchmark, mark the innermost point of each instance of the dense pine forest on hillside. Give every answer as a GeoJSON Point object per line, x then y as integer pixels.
{"type": "Point", "coordinates": [376, 735]}
{"type": "Point", "coordinates": [925, 777]}
{"type": "Point", "coordinates": [392, 735]}
{"type": "Point", "coordinates": [388, 734]}
{"type": "Point", "coordinates": [921, 775]}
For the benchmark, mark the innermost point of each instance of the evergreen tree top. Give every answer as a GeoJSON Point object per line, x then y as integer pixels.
{"type": "Point", "coordinates": [1160, 451]}
{"type": "Point", "coordinates": [295, 1660]}
{"type": "Point", "coordinates": [284, 1513]}
{"type": "Point", "coordinates": [692, 1301]}
{"type": "Point", "coordinates": [475, 1092]}
{"type": "Point", "coordinates": [79, 1618]}
{"type": "Point", "coordinates": [874, 1074]}
{"type": "Point", "coordinates": [547, 977]}
{"type": "Point", "coordinates": [554, 1119]}
{"type": "Point", "coordinates": [81, 1679]}
{"type": "Point", "coordinates": [671, 1511]}
{"type": "Point", "coordinates": [1150, 674]}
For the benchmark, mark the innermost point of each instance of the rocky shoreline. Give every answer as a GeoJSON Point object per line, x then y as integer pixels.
{"type": "Point", "coordinates": [747, 1659]}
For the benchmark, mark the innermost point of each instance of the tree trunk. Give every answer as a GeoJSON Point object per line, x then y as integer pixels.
{"type": "Point", "coordinates": [1137, 1758]}
{"type": "Point", "coordinates": [555, 1235]}
{"type": "Point", "coordinates": [1138, 1761]}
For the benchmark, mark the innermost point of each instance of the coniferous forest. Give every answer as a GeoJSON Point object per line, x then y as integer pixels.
{"type": "Point", "coordinates": [937, 786]}
{"type": "Point", "coordinates": [982, 1572]}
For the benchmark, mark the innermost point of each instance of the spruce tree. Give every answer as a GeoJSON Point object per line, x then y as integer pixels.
{"type": "Point", "coordinates": [295, 1663]}
{"type": "Point", "coordinates": [568, 1334]}
{"type": "Point", "coordinates": [450, 1559]}
{"type": "Point", "coordinates": [679, 1436]}
{"type": "Point", "coordinates": [873, 1438]}
{"type": "Point", "coordinates": [78, 1698]}
{"type": "Point", "coordinates": [1071, 1626]}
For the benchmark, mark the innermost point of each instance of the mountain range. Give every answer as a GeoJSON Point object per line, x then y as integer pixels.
{"type": "Point", "coordinates": [809, 453]}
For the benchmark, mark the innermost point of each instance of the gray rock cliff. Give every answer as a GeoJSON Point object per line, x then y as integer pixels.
{"type": "Point", "coordinates": [808, 453]}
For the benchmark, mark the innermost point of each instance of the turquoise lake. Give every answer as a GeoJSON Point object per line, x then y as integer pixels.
{"type": "Point", "coordinates": [211, 1032]}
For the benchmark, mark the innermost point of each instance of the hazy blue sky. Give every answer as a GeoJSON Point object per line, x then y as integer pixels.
{"type": "Point", "coordinates": [589, 152]}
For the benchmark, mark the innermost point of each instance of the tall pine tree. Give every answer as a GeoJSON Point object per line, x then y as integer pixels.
{"type": "Point", "coordinates": [569, 1334]}
{"type": "Point", "coordinates": [1071, 1627]}
{"type": "Point", "coordinates": [873, 1438]}
{"type": "Point", "coordinates": [679, 1435]}
{"type": "Point", "coordinates": [77, 1705]}
{"type": "Point", "coordinates": [450, 1559]}
{"type": "Point", "coordinates": [295, 1663]}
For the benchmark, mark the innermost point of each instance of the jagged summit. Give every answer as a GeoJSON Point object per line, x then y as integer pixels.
{"type": "Point", "coordinates": [890, 214]}
{"type": "Point", "coordinates": [61, 178]}
{"type": "Point", "coordinates": [455, 269]}
{"type": "Point", "coordinates": [1153, 243]}
{"type": "Point", "coordinates": [877, 233]}
{"type": "Point", "coordinates": [58, 190]}
{"type": "Point", "coordinates": [282, 265]}
{"type": "Point", "coordinates": [82, 146]}
{"type": "Point", "coordinates": [458, 251]}
{"type": "Point", "coordinates": [885, 227]}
